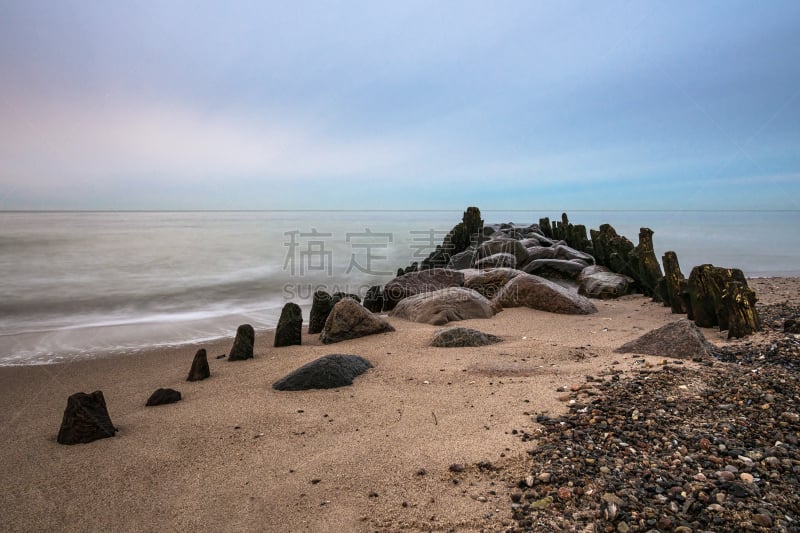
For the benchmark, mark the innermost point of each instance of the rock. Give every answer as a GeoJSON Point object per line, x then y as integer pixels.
{"type": "Point", "coordinates": [604, 285]}
{"type": "Point", "coordinates": [419, 282]}
{"type": "Point", "coordinates": [290, 326]}
{"type": "Point", "coordinates": [337, 296]}
{"type": "Point", "coordinates": [243, 343]}
{"type": "Point", "coordinates": [163, 396]}
{"type": "Point", "coordinates": [200, 369]}
{"type": "Point", "coordinates": [680, 339]}
{"type": "Point", "coordinates": [791, 325]}
{"type": "Point", "coordinates": [321, 306]}
{"type": "Point", "coordinates": [328, 372]}
{"type": "Point", "coordinates": [350, 320]}
{"type": "Point", "coordinates": [498, 246]}
{"type": "Point", "coordinates": [462, 260]}
{"type": "Point", "coordinates": [591, 269]}
{"type": "Point", "coordinates": [443, 306]}
{"type": "Point", "coordinates": [489, 282]}
{"type": "Point", "coordinates": [500, 260]}
{"type": "Point", "coordinates": [85, 419]}
{"type": "Point", "coordinates": [462, 337]}
{"type": "Point", "coordinates": [541, 252]}
{"type": "Point", "coordinates": [373, 300]}
{"type": "Point", "coordinates": [555, 268]}
{"type": "Point", "coordinates": [647, 269]}
{"type": "Point", "coordinates": [527, 290]}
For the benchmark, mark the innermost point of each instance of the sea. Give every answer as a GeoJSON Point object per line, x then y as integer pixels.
{"type": "Point", "coordinates": [86, 284]}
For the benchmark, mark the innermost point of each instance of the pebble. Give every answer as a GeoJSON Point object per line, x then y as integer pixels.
{"type": "Point", "coordinates": [654, 452]}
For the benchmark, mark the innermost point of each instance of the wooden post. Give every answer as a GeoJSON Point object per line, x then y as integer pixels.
{"type": "Point", "coordinates": [740, 302]}
{"type": "Point", "coordinates": [675, 283]}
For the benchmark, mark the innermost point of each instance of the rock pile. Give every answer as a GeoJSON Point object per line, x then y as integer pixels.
{"type": "Point", "coordinates": [712, 449]}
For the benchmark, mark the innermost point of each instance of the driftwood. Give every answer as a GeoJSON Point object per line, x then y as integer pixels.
{"type": "Point", "coordinates": [720, 297]}
{"type": "Point", "coordinates": [675, 284]}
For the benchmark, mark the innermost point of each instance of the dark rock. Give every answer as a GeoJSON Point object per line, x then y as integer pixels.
{"type": "Point", "coordinates": [791, 326]}
{"type": "Point", "coordinates": [591, 269]}
{"type": "Point", "coordinates": [604, 285]}
{"type": "Point", "coordinates": [328, 372]}
{"type": "Point", "coordinates": [290, 326]}
{"type": "Point", "coordinates": [501, 260]}
{"type": "Point", "coordinates": [555, 268]}
{"type": "Point", "coordinates": [443, 306]}
{"type": "Point", "coordinates": [739, 303]}
{"type": "Point", "coordinates": [85, 419]}
{"type": "Point", "coordinates": [648, 271]}
{"type": "Point", "coordinates": [462, 337]}
{"type": "Point", "coordinates": [574, 235]}
{"type": "Point", "coordinates": [419, 282]}
{"type": "Point", "coordinates": [373, 300]}
{"type": "Point", "coordinates": [489, 282]}
{"type": "Point", "coordinates": [541, 252]}
{"type": "Point", "coordinates": [350, 320]}
{"type": "Point", "coordinates": [200, 369]}
{"type": "Point", "coordinates": [680, 339]}
{"type": "Point", "coordinates": [709, 306]}
{"type": "Point", "coordinates": [321, 307]}
{"type": "Point", "coordinates": [163, 396]}
{"type": "Point", "coordinates": [243, 343]}
{"type": "Point", "coordinates": [527, 290]}
{"type": "Point", "coordinates": [502, 246]}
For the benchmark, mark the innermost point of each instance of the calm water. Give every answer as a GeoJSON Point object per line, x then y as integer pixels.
{"type": "Point", "coordinates": [77, 284]}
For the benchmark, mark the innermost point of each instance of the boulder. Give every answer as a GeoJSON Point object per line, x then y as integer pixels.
{"type": "Point", "coordinates": [681, 339]}
{"type": "Point", "coordinates": [489, 282]}
{"type": "Point", "coordinates": [501, 260]}
{"type": "Point", "coordinates": [502, 245]}
{"type": "Point", "coordinates": [591, 269]}
{"type": "Point", "coordinates": [328, 372]}
{"type": "Point", "coordinates": [350, 320]}
{"type": "Point", "coordinates": [604, 285]}
{"type": "Point", "coordinates": [373, 300]}
{"type": "Point", "coordinates": [290, 326]}
{"type": "Point", "coordinates": [85, 419]}
{"type": "Point", "coordinates": [337, 296]}
{"type": "Point", "coordinates": [462, 338]}
{"type": "Point", "coordinates": [163, 397]}
{"type": "Point", "coordinates": [555, 268]}
{"type": "Point", "coordinates": [527, 290]}
{"type": "Point", "coordinates": [462, 260]}
{"type": "Point", "coordinates": [419, 282]}
{"type": "Point", "coordinates": [562, 251]}
{"type": "Point", "coordinates": [321, 306]}
{"type": "Point", "coordinates": [541, 252]}
{"type": "Point", "coordinates": [200, 369]}
{"type": "Point", "coordinates": [243, 343]}
{"type": "Point", "coordinates": [443, 306]}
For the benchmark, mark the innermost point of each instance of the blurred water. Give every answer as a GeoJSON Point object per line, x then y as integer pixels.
{"type": "Point", "coordinates": [76, 284]}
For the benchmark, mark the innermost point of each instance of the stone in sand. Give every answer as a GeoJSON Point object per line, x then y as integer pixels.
{"type": "Point", "coordinates": [604, 285]}
{"type": "Point", "coordinates": [443, 306]}
{"type": "Point", "coordinates": [681, 339]}
{"type": "Point", "coordinates": [85, 419]}
{"type": "Point", "coordinates": [327, 372]}
{"type": "Point", "coordinates": [462, 337]}
{"type": "Point", "coordinates": [489, 282]}
{"type": "Point", "coordinates": [320, 309]}
{"type": "Point", "coordinates": [350, 320]}
{"type": "Point", "coordinates": [419, 282]}
{"type": "Point", "coordinates": [290, 326]}
{"type": "Point", "coordinates": [200, 369]}
{"type": "Point", "coordinates": [163, 397]}
{"type": "Point", "coordinates": [243, 343]}
{"type": "Point", "coordinates": [527, 290]}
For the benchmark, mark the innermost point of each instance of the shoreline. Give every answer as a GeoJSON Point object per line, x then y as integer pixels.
{"type": "Point", "coordinates": [235, 454]}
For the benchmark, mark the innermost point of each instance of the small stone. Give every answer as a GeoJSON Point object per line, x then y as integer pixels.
{"type": "Point", "coordinates": [790, 417]}
{"type": "Point", "coordinates": [725, 475]}
{"type": "Point", "coordinates": [747, 478]}
{"type": "Point", "coordinates": [715, 507]}
{"type": "Point", "coordinates": [456, 468]}
{"type": "Point", "coordinates": [622, 527]}
{"type": "Point", "coordinates": [762, 520]}
{"type": "Point", "coordinates": [544, 477]}
{"type": "Point", "coordinates": [564, 493]}
{"type": "Point", "coordinates": [481, 499]}
{"type": "Point", "coordinates": [543, 503]}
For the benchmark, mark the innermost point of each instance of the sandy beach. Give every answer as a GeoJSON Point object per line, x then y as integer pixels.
{"type": "Point", "coordinates": [235, 455]}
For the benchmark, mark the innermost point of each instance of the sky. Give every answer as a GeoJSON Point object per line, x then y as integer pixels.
{"type": "Point", "coordinates": [538, 105]}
